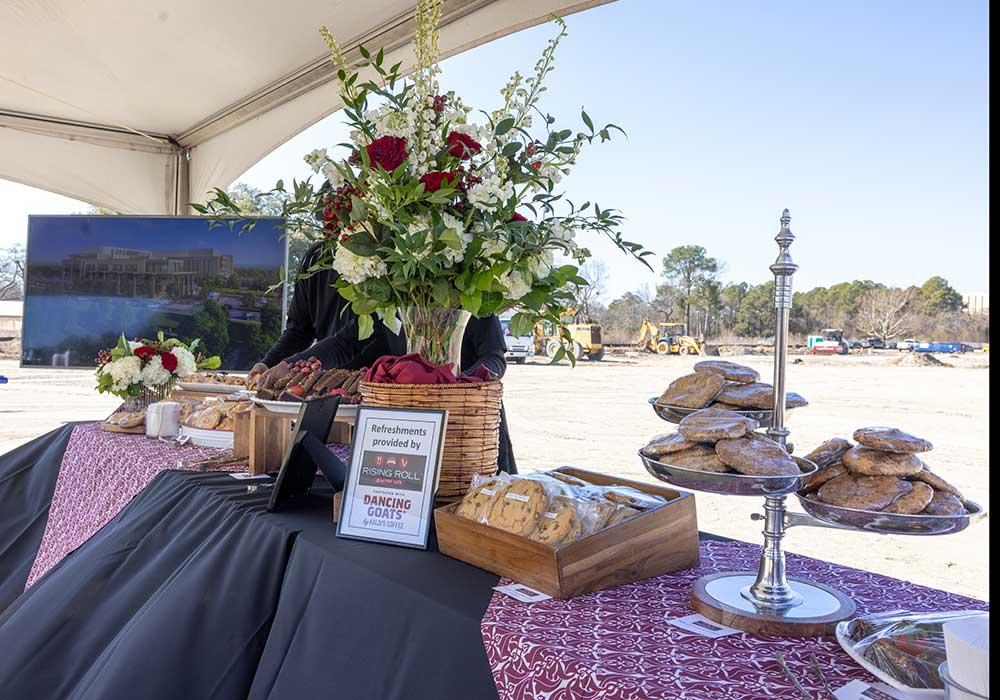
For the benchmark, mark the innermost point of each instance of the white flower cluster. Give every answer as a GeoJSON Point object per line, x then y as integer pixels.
{"type": "Point", "coordinates": [493, 191]}
{"type": "Point", "coordinates": [356, 268]}
{"type": "Point", "coordinates": [124, 371]}
{"type": "Point", "coordinates": [464, 238]}
{"type": "Point", "coordinates": [154, 373]}
{"type": "Point", "coordinates": [185, 361]}
{"type": "Point", "coordinates": [516, 282]}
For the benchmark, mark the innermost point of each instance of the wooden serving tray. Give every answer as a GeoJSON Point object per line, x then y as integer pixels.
{"type": "Point", "coordinates": [657, 542]}
{"type": "Point", "coordinates": [112, 428]}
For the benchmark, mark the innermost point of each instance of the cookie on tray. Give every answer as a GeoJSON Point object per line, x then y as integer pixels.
{"type": "Point", "coordinates": [756, 457]}
{"type": "Point", "coordinates": [568, 479]}
{"type": "Point", "coordinates": [665, 444]}
{"type": "Point", "coordinates": [710, 424]}
{"type": "Point", "coordinates": [635, 498]}
{"type": "Point", "coordinates": [622, 513]}
{"type": "Point", "coordinates": [918, 498]}
{"type": "Point", "coordinates": [891, 440]}
{"type": "Point", "coordinates": [759, 395]}
{"type": "Point", "coordinates": [729, 371]}
{"type": "Point", "coordinates": [519, 506]}
{"type": "Point", "coordinates": [478, 502]}
{"type": "Point", "coordinates": [822, 475]}
{"type": "Point", "coordinates": [871, 493]}
{"type": "Point", "coordinates": [694, 390]}
{"type": "Point", "coordinates": [944, 503]}
{"type": "Point", "coordinates": [829, 452]}
{"type": "Point", "coordinates": [865, 460]}
{"type": "Point", "coordinates": [700, 458]}
{"type": "Point", "coordinates": [937, 483]}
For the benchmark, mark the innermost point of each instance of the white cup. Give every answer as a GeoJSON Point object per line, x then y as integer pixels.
{"type": "Point", "coordinates": [163, 419]}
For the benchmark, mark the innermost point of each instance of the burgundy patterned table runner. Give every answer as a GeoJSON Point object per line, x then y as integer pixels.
{"type": "Point", "coordinates": [616, 645]}
{"type": "Point", "coordinates": [100, 473]}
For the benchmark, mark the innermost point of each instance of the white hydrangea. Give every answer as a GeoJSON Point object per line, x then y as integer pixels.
{"type": "Point", "coordinates": [124, 372]}
{"type": "Point", "coordinates": [154, 374]}
{"type": "Point", "coordinates": [465, 237]}
{"type": "Point", "coordinates": [516, 283]}
{"type": "Point", "coordinates": [186, 364]}
{"type": "Point", "coordinates": [356, 268]}
{"type": "Point", "coordinates": [132, 345]}
{"type": "Point", "coordinates": [333, 175]}
{"type": "Point", "coordinates": [541, 265]}
{"type": "Point", "coordinates": [561, 233]}
{"type": "Point", "coordinates": [491, 192]}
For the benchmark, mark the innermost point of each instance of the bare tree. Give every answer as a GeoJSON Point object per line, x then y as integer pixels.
{"type": "Point", "coordinates": [12, 273]}
{"type": "Point", "coordinates": [883, 312]}
{"type": "Point", "coordinates": [589, 296]}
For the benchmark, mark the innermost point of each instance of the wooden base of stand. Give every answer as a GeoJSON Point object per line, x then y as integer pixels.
{"type": "Point", "coordinates": [718, 598]}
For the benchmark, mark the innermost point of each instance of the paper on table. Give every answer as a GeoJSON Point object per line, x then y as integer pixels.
{"type": "Point", "coordinates": [967, 646]}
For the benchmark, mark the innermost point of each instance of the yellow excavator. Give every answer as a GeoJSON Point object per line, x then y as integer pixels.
{"type": "Point", "coordinates": [667, 339]}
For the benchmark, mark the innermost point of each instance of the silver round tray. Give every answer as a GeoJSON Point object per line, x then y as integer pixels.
{"type": "Point", "coordinates": [892, 523]}
{"type": "Point", "coordinates": [675, 414]}
{"type": "Point", "coordinates": [728, 484]}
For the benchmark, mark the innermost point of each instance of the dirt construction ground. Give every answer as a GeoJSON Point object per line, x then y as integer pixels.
{"type": "Point", "coordinates": [595, 416]}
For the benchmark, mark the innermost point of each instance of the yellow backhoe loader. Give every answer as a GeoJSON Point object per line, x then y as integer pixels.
{"type": "Point", "coordinates": [667, 339]}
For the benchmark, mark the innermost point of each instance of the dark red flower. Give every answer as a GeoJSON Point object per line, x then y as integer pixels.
{"type": "Point", "coordinates": [518, 217]}
{"type": "Point", "coordinates": [436, 179]}
{"type": "Point", "coordinates": [462, 145]}
{"type": "Point", "coordinates": [439, 102]}
{"type": "Point", "coordinates": [144, 353]}
{"type": "Point", "coordinates": [168, 360]}
{"type": "Point", "coordinates": [387, 152]}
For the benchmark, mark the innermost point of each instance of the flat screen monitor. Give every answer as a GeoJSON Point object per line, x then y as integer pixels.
{"type": "Point", "coordinates": [88, 279]}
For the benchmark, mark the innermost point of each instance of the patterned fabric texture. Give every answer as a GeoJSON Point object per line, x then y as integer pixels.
{"type": "Point", "coordinates": [616, 645]}
{"type": "Point", "coordinates": [100, 473]}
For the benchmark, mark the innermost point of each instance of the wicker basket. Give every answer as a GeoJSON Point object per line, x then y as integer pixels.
{"type": "Point", "coordinates": [472, 442]}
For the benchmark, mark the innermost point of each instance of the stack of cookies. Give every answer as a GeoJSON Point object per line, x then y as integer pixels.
{"type": "Point", "coordinates": [882, 473]}
{"type": "Point", "coordinates": [552, 508]}
{"type": "Point", "coordinates": [725, 385]}
{"type": "Point", "coordinates": [721, 441]}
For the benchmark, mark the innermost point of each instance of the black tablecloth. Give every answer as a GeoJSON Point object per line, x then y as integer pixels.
{"type": "Point", "coordinates": [194, 591]}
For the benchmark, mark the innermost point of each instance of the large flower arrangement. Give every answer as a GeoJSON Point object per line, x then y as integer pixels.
{"type": "Point", "coordinates": [435, 208]}
{"type": "Point", "coordinates": [132, 367]}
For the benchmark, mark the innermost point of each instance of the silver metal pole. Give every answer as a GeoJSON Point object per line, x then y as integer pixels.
{"type": "Point", "coordinates": [771, 592]}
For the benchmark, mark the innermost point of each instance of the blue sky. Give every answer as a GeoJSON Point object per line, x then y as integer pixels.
{"type": "Point", "coordinates": [868, 120]}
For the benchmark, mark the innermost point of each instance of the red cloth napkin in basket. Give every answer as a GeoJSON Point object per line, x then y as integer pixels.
{"type": "Point", "coordinates": [415, 369]}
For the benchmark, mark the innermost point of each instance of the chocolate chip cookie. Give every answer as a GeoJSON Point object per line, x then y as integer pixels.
{"type": "Point", "coordinates": [711, 424]}
{"type": "Point", "coordinates": [519, 506]}
{"type": "Point", "coordinates": [622, 513]}
{"type": "Point", "coordinates": [918, 498]}
{"type": "Point", "coordinates": [558, 525]}
{"type": "Point", "coordinates": [891, 440]}
{"type": "Point", "coordinates": [944, 503]}
{"type": "Point", "coordinates": [872, 493]}
{"type": "Point", "coordinates": [665, 444]}
{"type": "Point", "coordinates": [756, 457]}
{"type": "Point", "coordinates": [728, 370]}
{"type": "Point", "coordinates": [937, 483]}
{"type": "Point", "coordinates": [700, 458]}
{"type": "Point", "coordinates": [478, 502]}
{"type": "Point", "coordinates": [829, 452]}
{"type": "Point", "coordinates": [864, 460]}
{"type": "Point", "coordinates": [693, 390]}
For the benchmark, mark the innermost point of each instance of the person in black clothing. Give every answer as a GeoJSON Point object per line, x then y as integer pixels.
{"type": "Point", "coordinates": [321, 324]}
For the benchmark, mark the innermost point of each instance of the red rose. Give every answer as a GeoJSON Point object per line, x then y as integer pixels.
{"type": "Point", "coordinates": [462, 145]}
{"type": "Point", "coordinates": [168, 360]}
{"type": "Point", "coordinates": [144, 353]}
{"type": "Point", "coordinates": [387, 152]}
{"type": "Point", "coordinates": [518, 217]}
{"type": "Point", "coordinates": [435, 180]}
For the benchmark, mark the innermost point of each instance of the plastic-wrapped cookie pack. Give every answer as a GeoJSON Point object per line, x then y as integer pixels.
{"type": "Point", "coordinates": [553, 508]}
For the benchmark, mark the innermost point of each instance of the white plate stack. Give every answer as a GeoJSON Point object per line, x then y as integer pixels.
{"type": "Point", "coordinates": [967, 646]}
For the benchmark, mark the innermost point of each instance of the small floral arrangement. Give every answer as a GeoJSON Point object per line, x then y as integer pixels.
{"type": "Point", "coordinates": [133, 366]}
{"type": "Point", "coordinates": [435, 207]}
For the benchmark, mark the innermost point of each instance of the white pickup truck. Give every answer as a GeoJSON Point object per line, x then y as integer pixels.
{"type": "Point", "coordinates": [519, 347]}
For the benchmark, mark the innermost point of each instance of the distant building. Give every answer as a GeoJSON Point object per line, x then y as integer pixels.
{"type": "Point", "coordinates": [10, 319]}
{"type": "Point", "coordinates": [130, 270]}
{"type": "Point", "coordinates": [976, 304]}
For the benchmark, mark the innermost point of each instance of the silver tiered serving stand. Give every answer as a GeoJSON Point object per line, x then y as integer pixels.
{"type": "Point", "coordinates": [768, 601]}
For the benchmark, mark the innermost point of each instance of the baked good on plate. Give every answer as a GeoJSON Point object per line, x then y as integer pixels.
{"type": "Point", "coordinates": [729, 371]}
{"type": "Point", "coordinates": [863, 492]}
{"type": "Point", "coordinates": [711, 424]}
{"type": "Point", "coordinates": [694, 390]}
{"type": "Point", "coordinates": [891, 440]}
{"type": "Point", "coordinates": [864, 460]}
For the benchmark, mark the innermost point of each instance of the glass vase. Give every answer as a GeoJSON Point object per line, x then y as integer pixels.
{"type": "Point", "coordinates": [146, 396]}
{"type": "Point", "coordinates": [436, 333]}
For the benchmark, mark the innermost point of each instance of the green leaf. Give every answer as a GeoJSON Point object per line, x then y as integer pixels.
{"type": "Point", "coordinates": [510, 149]}
{"type": "Point", "coordinates": [472, 302]}
{"type": "Point", "coordinates": [366, 326]}
{"type": "Point", "coordinates": [587, 121]}
{"type": "Point", "coordinates": [521, 324]}
{"type": "Point", "coordinates": [360, 244]}
{"type": "Point", "coordinates": [451, 238]}
{"type": "Point", "coordinates": [213, 362]}
{"type": "Point", "coordinates": [504, 126]}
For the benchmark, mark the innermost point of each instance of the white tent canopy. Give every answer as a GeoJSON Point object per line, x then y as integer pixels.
{"type": "Point", "coordinates": [144, 107]}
